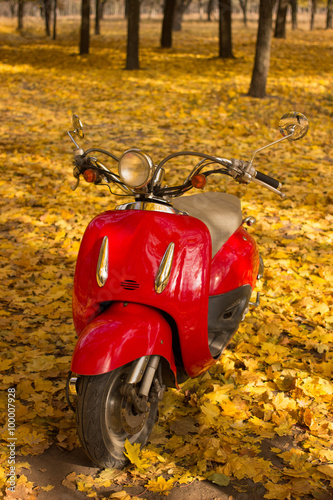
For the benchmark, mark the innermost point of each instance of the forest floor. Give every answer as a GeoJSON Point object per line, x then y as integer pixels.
{"type": "Point", "coordinates": [259, 424]}
{"type": "Point", "coordinates": [55, 465]}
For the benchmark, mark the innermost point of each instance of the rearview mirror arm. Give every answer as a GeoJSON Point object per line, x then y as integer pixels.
{"type": "Point", "coordinates": [272, 144]}
{"type": "Point", "coordinates": [70, 135]}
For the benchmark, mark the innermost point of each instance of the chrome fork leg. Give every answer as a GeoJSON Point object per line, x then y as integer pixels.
{"type": "Point", "coordinates": [149, 375]}
{"type": "Point", "coordinates": [138, 370]}
{"type": "Point", "coordinates": [143, 371]}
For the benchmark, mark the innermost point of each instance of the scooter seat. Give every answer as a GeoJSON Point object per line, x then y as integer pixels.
{"type": "Point", "coordinates": [221, 212]}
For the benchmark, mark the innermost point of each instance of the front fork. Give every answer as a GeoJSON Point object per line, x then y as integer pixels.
{"type": "Point", "coordinates": [147, 370]}
{"type": "Point", "coordinates": [145, 379]}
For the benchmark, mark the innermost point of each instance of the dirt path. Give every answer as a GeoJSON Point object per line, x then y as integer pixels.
{"type": "Point", "coordinates": [52, 466]}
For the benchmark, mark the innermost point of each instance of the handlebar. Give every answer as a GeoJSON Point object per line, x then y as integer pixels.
{"type": "Point", "coordinates": [241, 171]}
{"type": "Point", "coordinates": [274, 183]}
{"type": "Point", "coordinates": [293, 126]}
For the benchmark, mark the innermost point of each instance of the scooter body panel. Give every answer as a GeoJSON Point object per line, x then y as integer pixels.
{"type": "Point", "coordinates": [236, 264]}
{"type": "Point", "coordinates": [137, 243]}
{"type": "Point", "coordinates": [120, 335]}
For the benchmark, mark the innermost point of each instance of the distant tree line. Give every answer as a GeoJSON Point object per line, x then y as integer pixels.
{"type": "Point", "coordinates": [173, 11]}
{"type": "Point", "coordinates": [203, 8]}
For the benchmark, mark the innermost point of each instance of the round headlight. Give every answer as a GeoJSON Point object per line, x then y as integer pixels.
{"type": "Point", "coordinates": [135, 168]}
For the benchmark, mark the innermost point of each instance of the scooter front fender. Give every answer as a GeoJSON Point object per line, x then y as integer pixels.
{"type": "Point", "coordinates": [123, 333]}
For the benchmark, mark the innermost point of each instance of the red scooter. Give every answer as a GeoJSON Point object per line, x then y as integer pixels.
{"type": "Point", "coordinates": [161, 285]}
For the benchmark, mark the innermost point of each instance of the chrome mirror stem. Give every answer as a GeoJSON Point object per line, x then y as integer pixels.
{"type": "Point", "coordinates": [271, 144]}
{"type": "Point", "coordinates": [75, 143]}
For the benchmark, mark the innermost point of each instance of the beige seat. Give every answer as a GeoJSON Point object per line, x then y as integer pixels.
{"type": "Point", "coordinates": [221, 212]}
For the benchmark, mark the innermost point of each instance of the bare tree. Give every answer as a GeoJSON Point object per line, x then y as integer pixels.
{"type": "Point", "coordinates": [293, 4]}
{"type": "Point", "coordinates": [47, 9]}
{"type": "Point", "coordinates": [313, 13]}
{"type": "Point", "coordinates": [133, 22]}
{"type": "Point", "coordinates": [85, 27]}
{"type": "Point", "coordinates": [329, 18]}
{"type": "Point", "coordinates": [243, 5]}
{"type": "Point", "coordinates": [210, 7]}
{"type": "Point", "coordinates": [281, 18]}
{"type": "Point", "coordinates": [20, 14]}
{"type": "Point", "coordinates": [102, 6]}
{"type": "Point", "coordinates": [181, 8]}
{"type": "Point", "coordinates": [263, 49]}
{"type": "Point", "coordinates": [55, 6]}
{"type": "Point", "coordinates": [97, 16]}
{"type": "Point", "coordinates": [166, 36]}
{"type": "Point", "coordinates": [225, 36]}
{"type": "Point", "coordinates": [12, 4]}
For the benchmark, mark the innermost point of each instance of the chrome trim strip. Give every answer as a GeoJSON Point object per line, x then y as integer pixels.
{"type": "Point", "coordinates": [150, 206]}
{"type": "Point", "coordinates": [164, 270]}
{"type": "Point", "coordinates": [72, 386]}
{"type": "Point", "coordinates": [102, 271]}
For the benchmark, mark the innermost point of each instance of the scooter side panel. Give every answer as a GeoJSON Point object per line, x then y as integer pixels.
{"type": "Point", "coordinates": [137, 243]}
{"type": "Point", "coordinates": [236, 264]}
{"type": "Point", "coordinates": [120, 335]}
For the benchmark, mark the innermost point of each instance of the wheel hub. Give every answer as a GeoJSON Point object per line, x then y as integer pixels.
{"type": "Point", "coordinates": [132, 420]}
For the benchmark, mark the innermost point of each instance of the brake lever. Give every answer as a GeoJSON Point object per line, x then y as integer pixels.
{"type": "Point", "coordinates": [271, 188]}
{"type": "Point", "coordinates": [74, 186]}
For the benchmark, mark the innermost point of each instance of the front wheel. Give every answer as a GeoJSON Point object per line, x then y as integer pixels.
{"type": "Point", "coordinates": [106, 418]}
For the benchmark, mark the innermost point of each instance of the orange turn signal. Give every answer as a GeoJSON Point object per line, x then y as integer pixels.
{"type": "Point", "coordinates": [198, 181]}
{"type": "Point", "coordinates": [90, 175]}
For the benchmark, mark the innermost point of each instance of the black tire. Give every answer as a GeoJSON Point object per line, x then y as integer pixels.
{"type": "Point", "coordinates": [102, 413]}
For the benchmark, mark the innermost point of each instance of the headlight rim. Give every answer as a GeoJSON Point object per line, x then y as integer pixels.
{"type": "Point", "coordinates": [149, 165]}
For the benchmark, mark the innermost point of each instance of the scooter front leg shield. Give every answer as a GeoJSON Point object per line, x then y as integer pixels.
{"type": "Point", "coordinates": [123, 333]}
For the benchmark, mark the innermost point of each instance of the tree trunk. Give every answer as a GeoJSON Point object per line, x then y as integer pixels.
{"type": "Point", "coordinates": [210, 7]}
{"type": "Point", "coordinates": [47, 16]}
{"type": "Point", "coordinates": [133, 21]}
{"type": "Point", "coordinates": [281, 18]}
{"type": "Point", "coordinates": [293, 4]}
{"type": "Point", "coordinates": [20, 14]}
{"type": "Point", "coordinates": [243, 5]}
{"type": "Point", "coordinates": [263, 49]}
{"type": "Point", "coordinates": [329, 18]}
{"type": "Point", "coordinates": [12, 8]}
{"type": "Point", "coordinates": [97, 16]}
{"type": "Point", "coordinates": [180, 9]}
{"type": "Point", "coordinates": [201, 9]}
{"type": "Point", "coordinates": [169, 10]}
{"type": "Point", "coordinates": [101, 9]}
{"type": "Point", "coordinates": [85, 27]}
{"type": "Point", "coordinates": [225, 29]}
{"type": "Point", "coordinates": [55, 5]}
{"type": "Point", "coordinates": [177, 18]}
{"type": "Point", "coordinates": [313, 13]}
